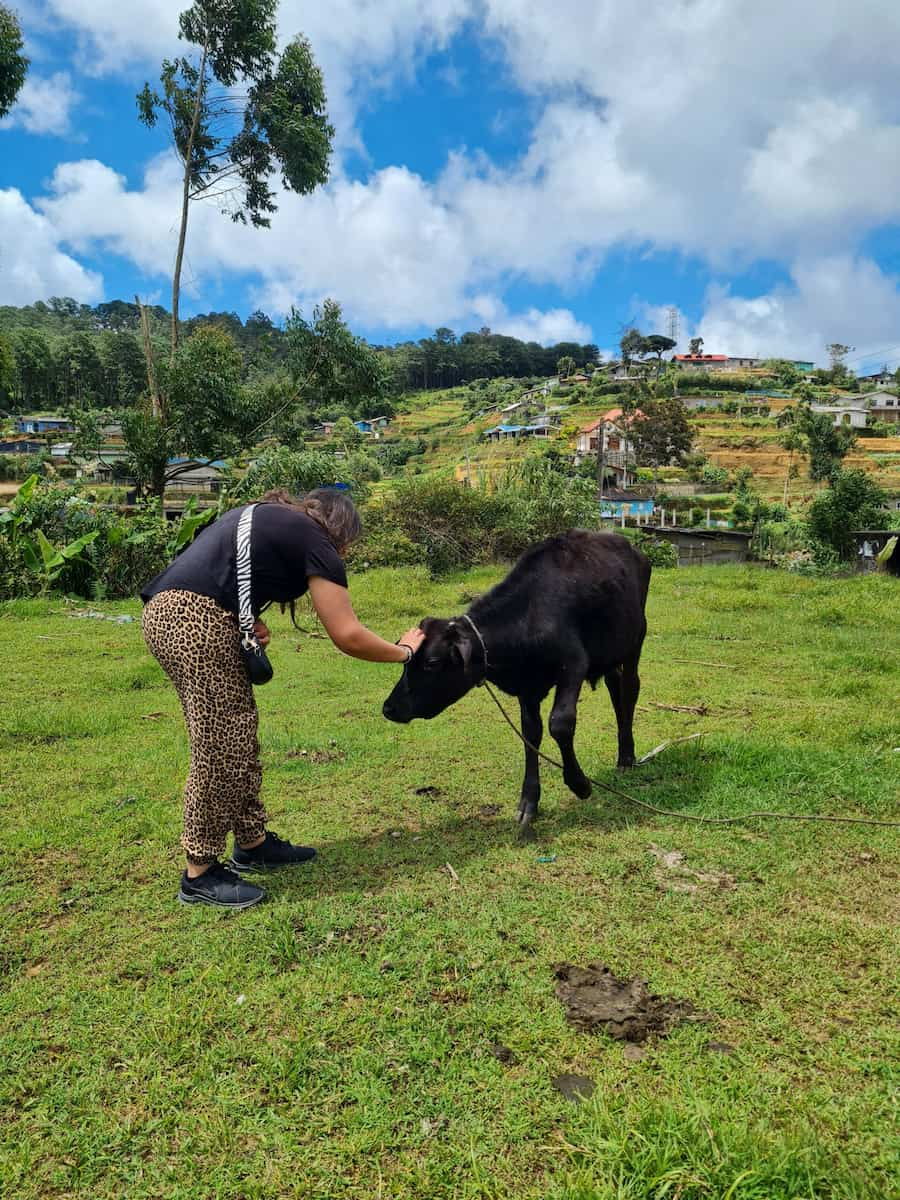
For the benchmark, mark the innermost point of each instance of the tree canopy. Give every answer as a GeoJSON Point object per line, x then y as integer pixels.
{"type": "Point", "coordinates": [13, 63]}
{"type": "Point", "coordinates": [238, 113]}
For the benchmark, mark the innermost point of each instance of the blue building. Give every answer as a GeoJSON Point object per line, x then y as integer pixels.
{"type": "Point", "coordinates": [617, 502]}
{"type": "Point", "coordinates": [37, 423]}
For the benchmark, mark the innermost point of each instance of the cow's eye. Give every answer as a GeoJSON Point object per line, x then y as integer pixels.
{"type": "Point", "coordinates": [433, 664]}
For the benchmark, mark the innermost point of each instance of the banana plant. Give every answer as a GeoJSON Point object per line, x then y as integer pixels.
{"type": "Point", "coordinates": [12, 517]}
{"type": "Point", "coordinates": [47, 561]}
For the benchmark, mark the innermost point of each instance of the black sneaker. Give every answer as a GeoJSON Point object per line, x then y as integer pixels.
{"type": "Point", "coordinates": [274, 852]}
{"type": "Point", "coordinates": [219, 886]}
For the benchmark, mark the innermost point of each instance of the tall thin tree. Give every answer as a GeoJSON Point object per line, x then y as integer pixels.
{"type": "Point", "coordinates": [239, 113]}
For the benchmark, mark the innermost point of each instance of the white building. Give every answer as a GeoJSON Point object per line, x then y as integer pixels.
{"type": "Point", "coordinates": [884, 406]}
{"type": "Point", "coordinates": [853, 413]}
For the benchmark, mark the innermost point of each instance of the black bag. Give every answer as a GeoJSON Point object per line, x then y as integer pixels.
{"type": "Point", "coordinates": [256, 661]}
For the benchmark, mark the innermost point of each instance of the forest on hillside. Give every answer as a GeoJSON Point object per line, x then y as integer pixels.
{"type": "Point", "coordinates": [62, 354]}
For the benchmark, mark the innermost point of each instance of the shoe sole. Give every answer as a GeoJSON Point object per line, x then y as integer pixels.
{"type": "Point", "coordinates": [183, 898]}
{"type": "Point", "coordinates": [262, 868]}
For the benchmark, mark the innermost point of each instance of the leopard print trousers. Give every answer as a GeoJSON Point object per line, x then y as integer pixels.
{"type": "Point", "coordinates": [196, 643]}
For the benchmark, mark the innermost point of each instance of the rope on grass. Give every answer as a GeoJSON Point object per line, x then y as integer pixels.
{"type": "Point", "coordinates": [760, 815]}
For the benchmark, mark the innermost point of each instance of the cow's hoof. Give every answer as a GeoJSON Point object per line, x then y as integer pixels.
{"type": "Point", "coordinates": [527, 832]}
{"type": "Point", "coordinates": [582, 789]}
{"type": "Point", "coordinates": [625, 764]}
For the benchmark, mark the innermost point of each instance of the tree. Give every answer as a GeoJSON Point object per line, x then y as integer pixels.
{"type": "Point", "coordinates": [13, 63]}
{"type": "Point", "coordinates": [7, 370]}
{"type": "Point", "coordinates": [565, 367]}
{"type": "Point", "coordinates": [837, 352]}
{"type": "Point", "coordinates": [791, 440]}
{"type": "Point", "coordinates": [346, 435]}
{"type": "Point", "coordinates": [825, 443]}
{"type": "Point", "coordinates": [852, 501]}
{"type": "Point", "coordinates": [695, 347]}
{"type": "Point", "coordinates": [207, 410]}
{"type": "Point", "coordinates": [783, 372]}
{"type": "Point", "coordinates": [631, 345]}
{"type": "Point", "coordinates": [231, 144]}
{"type": "Point", "coordinates": [34, 367]}
{"type": "Point", "coordinates": [657, 344]}
{"type": "Point", "coordinates": [662, 435]}
{"type": "Point", "coordinates": [79, 371]}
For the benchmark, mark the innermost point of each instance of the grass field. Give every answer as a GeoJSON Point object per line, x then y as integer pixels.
{"type": "Point", "coordinates": [337, 1041]}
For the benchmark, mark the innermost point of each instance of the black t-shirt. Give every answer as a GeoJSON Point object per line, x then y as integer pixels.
{"type": "Point", "coordinates": [286, 547]}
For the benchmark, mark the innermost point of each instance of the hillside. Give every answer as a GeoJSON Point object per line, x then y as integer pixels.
{"type": "Point", "coordinates": [454, 439]}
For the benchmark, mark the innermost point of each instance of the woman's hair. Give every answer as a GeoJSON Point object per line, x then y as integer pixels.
{"type": "Point", "coordinates": [328, 507]}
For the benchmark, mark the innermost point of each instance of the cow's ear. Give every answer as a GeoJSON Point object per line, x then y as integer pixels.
{"type": "Point", "coordinates": [463, 647]}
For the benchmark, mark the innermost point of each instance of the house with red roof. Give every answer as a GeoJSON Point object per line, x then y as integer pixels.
{"type": "Point", "coordinates": [610, 432]}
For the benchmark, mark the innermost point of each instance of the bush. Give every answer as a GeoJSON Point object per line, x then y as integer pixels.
{"type": "Point", "coordinates": [451, 526]}
{"type": "Point", "coordinates": [660, 552]}
{"type": "Point", "coordinates": [299, 471]}
{"type": "Point", "coordinates": [851, 501]}
{"type": "Point", "coordinates": [120, 557]}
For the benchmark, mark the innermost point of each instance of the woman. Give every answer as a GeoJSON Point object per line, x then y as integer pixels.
{"type": "Point", "coordinates": [190, 625]}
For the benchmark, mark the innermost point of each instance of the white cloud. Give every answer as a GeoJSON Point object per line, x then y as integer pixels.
{"type": "Point", "coordinates": [32, 264]}
{"type": "Point", "coordinates": [730, 130]}
{"type": "Point", "coordinates": [834, 299]}
{"type": "Point", "coordinates": [393, 256]}
{"type": "Point", "coordinates": [45, 105]}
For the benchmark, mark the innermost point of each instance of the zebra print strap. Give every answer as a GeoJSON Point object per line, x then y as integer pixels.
{"type": "Point", "coordinates": [243, 565]}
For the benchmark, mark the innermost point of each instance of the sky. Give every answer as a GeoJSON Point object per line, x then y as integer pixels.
{"type": "Point", "coordinates": [553, 171]}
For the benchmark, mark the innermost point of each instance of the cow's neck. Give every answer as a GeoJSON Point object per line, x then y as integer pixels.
{"type": "Point", "coordinates": [497, 621]}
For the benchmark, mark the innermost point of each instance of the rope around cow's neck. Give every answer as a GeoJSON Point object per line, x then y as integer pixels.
{"type": "Point", "coordinates": [683, 816]}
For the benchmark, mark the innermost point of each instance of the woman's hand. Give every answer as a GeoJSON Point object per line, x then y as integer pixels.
{"type": "Point", "coordinates": [261, 630]}
{"type": "Point", "coordinates": [412, 638]}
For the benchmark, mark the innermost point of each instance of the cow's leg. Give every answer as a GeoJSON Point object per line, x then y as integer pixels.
{"type": "Point", "coordinates": [532, 731]}
{"type": "Point", "coordinates": [562, 729]}
{"type": "Point", "coordinates": [624, 685]}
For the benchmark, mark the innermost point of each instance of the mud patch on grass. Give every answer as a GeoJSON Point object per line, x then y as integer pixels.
{"type": "Point", "coordinates": [674, 875]}
{"type": "Point", "coordinates": [318, 757]}
{"type": "Point", "coordinates": [574, 1087]}
{"type": "Point", "coordinates": [595, 999]}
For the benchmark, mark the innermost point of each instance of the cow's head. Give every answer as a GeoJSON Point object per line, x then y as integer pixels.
{"type": "Point", "coordinates": [439, 673]}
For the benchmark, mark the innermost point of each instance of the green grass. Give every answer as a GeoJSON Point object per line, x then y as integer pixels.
{"type": "Point", "coordinates": [335, 1042]}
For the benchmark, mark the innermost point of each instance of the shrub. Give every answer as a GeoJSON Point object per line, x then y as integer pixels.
{"type": "Point", "coordinates": [660, 552]}
{"type": "Point", "coordinates": [851, 501]}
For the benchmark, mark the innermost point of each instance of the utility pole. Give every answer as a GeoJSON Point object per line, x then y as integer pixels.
{"type": "Point", "coordinates": [601, 460]}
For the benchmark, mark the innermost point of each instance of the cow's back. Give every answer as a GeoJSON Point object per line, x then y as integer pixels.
{"type": "Point", "coordinates": [586, 584]}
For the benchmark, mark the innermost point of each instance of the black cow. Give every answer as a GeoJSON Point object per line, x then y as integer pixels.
{"type": "Point", "coordinates": [570, 610]}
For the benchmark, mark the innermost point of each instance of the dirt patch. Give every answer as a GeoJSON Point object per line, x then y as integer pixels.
{"type": "Point", "coordinates": [672, 874]}
{"type": "Point", "coordinates": [624, 1008]}
{"type": "Point", "coordinates": [489, 810]}
{"type": "Point", "coordinates": [503, 1054]}
{"type": "Point", "coordinates": [574, 1087]}
{"type": "Point", "coordinates": [318, 757]}
{"type": "Point", "coordinates": [429, 790]}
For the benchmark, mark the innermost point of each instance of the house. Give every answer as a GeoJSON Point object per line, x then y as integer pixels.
{"type": "Point", "coordinates": [373, 425]}
{"type": "Point", "coordinates": [846, 412]}
{"type": "Point", "coordinates": [705, 362]}
{"type": "Point", "coordinates": [615, 502]}
{"type": "Point", "coordinates": [326, 428]}
{"type": "Point", "coordinates": [61, 449]}
{"type": "Point", "coordinates": [879, 379]}
{"type": "Point", "coordinates": [883, 406]}
{"type": "Point", "coordinates": [501, 433]}
{"type": "Point", "coordinates": [195, 476]}
{"type": "Point", "coordinates": [21, 446]}
{"type": "Point", "coordinates": [730, 363]}
{"type": "Point", "coordinates": [609, 435]}
{"type": "Point", "coordinates": [43, 423]}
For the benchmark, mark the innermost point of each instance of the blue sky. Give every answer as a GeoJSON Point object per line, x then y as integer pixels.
{"type": "Point", "coordinates": [549, 171]}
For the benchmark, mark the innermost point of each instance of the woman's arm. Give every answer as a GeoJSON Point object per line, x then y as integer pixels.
{"type": "Point", "coordinates": [332, 603]}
